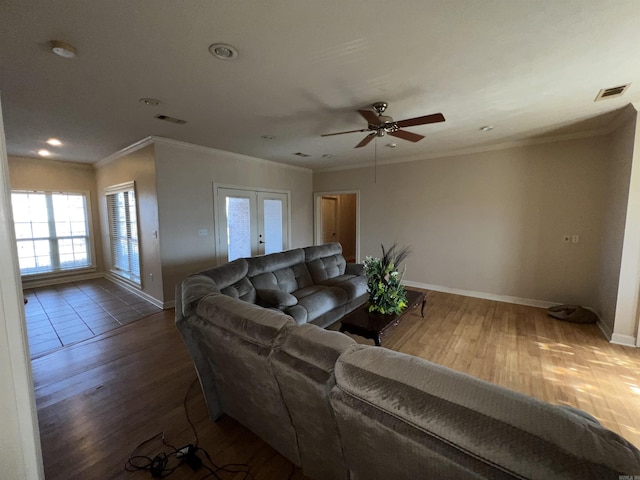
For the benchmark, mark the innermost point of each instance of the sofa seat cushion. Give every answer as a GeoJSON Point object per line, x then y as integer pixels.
{"type": "Point", "coordinates": [354, 286]}
{"type": "Point", "coordinates": [273, 297]}
{"type": "Point", "coordinates": [320, 299]}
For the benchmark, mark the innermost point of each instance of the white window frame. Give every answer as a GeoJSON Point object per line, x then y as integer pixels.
{"type": "Point", "coordinates": [128, 275]}
{"type": "Point", "coordinates": [57, 272]}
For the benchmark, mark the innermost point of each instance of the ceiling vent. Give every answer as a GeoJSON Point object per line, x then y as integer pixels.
{"type": "Point", "coordinates": [170, 119]}
{"type": "Point", "coordinates": [611, 92]}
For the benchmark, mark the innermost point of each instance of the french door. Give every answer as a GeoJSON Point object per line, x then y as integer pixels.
{"type": "Point", "coordinates": [251, 222]}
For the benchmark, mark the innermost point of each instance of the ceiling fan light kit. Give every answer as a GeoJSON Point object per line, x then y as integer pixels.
{"type": "Point", "coordinates": [381, 125]}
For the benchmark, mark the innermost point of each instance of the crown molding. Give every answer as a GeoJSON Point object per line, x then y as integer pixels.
{"type": "Point", "coordinates": [145, 142]}
{"type": "Point", "coordinates": [237, 156]}
{"type": "Point", "coordinates": [488, 148]}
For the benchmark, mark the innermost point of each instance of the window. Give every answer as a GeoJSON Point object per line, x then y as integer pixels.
{"type": "Point", "coordinates": [123, 231]}
{"type": "Point", "coordinates": [52, 231]}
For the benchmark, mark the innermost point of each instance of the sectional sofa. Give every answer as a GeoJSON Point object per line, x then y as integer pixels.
{"type": "Point", "coordinates": [346, 411]}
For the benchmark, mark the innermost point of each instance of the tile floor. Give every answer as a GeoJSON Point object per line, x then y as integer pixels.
{"type": "Point", "coordinates": [60, 315]}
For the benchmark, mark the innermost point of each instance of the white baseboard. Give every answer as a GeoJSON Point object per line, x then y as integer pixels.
{"type": "Point", "coordinates": [135, 291]}
{"type": "Point", "coordinates": [487, 296]}
{"type": "Point", "coordinates": [46, 282]}
{"type": "Point", "coordinates": [626, 340]}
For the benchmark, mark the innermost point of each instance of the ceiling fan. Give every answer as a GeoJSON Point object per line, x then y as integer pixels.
{"type": "Point", "coordinates": [381, 125]}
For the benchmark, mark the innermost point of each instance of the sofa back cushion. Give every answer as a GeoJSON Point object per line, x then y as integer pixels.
{"type": "Point", "coordinates": [231, 279]}
{"type": "Point", "coordinates": [325, 261]}
{"type": "Point", "coordinates": [285, 271]}
{"type": "Point", "coordinates": [304, 369]}
{"type": "Point", "coordinates": [403, 417]}
{"type": "Point", "coordinates": [238, 339]}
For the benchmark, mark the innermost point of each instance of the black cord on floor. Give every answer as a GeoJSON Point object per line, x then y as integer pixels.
{"type": "Point", "coordinates": [186, 410]}
{"type": "Point", "coordinates": [164, 464]}
{"type": "Point", "coordinates": [160, 466]}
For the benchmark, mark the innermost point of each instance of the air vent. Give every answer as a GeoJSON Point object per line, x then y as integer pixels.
{"type": "Point", "coordinates": [303, 155]}
{"type": "Point", "coordinates": [611, 92]}
{"type": "Point", "coordinates": [171, 119]}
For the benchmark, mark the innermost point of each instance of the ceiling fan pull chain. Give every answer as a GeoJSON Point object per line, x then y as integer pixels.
{"type": "Point", "coordinates": [375, 161]}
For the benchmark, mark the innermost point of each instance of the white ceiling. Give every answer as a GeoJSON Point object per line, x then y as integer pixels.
{"type": "Point", "coordinates": [529, 68]}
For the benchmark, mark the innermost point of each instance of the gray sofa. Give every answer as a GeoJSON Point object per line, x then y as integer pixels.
{"type": "Point", "coordinates": [312, 285]}
{"type": "Point", "coordinates": [346, 411]}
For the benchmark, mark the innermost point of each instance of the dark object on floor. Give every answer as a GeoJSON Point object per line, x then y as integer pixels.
{"type": "Point", "coordinates": [572, 313]}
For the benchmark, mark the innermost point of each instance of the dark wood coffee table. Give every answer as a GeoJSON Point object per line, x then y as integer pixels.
{"type": "Point", "coordinates": [375, 325]}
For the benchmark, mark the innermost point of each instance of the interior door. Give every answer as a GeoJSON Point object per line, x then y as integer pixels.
{"type": "Point", "coordinates": [251, 222]}
{"type": "Point", "coordinates": [329, 219]}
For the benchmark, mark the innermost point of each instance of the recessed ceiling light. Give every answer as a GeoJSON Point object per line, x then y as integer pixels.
{"type": "Point", "coordinates": [44, 153]}
{"type": "Point", "coordinates": [63, 49]}
{"type": "Point", "coordinates": [152, 102]}
{"type": "Point", "coordinates": [486, 128]}
{"type": "Point", "coordinates": [392, 145]}
{"type": "Point", "coordinates": [54, 142]}
{"type": "Point", "coordinates": [267, 137]}
{"type": "Point", "coordinates": [303, 155]}
{"type": "Point", "coordinates": [327, 155]}
{"type": "Point", "coordinates": [223, 51]}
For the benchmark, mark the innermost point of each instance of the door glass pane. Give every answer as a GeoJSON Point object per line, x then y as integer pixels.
{"type": "Point", "coordinates": [238, 227]}
{"type": "Point", "coordinates": [272, 225]}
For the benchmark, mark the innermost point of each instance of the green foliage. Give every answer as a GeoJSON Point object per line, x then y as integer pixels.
{"type": "Point", "coordinates": [384, 282]}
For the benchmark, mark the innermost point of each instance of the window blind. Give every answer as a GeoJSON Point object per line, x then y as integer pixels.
{"type": "Point", "coordinates": [123, 231]}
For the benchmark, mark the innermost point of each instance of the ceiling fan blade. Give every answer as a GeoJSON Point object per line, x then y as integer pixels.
{"type": "Point", "coordinates": [366, 140]}
{"type": "Point", "coordinates": [370, 117]}
{"type": "Point", "coordinates": [410, 122]}
{"type": "Point", "coordinates": [342, 133]}
{"type": "Point", "coordinates": [403, 134]}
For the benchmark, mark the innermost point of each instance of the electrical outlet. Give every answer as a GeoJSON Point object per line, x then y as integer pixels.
{"type": "Point", "coordinates": [203, 232]}
{"type": "Point", "coordinates": [575, 238]}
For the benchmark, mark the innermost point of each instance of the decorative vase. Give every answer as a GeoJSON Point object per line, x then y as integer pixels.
{"type": "Point", "coordinates": [384, 281]}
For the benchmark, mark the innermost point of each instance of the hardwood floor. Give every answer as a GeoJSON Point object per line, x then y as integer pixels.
{"type": "Point", "coordinates": [97, 400]}
{"type": "Point", "coordinates": [524, 349]}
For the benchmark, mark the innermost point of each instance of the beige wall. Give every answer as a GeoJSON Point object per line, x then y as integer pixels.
{"type": "Point", "coordinates": [44, 174]}
{"type": "Point", "coordinates": [185, 176]}
{"type": "Point", "coordinates": [138, 166]}
{"type": "Point", "coordinates": [491, 222]}
{"type": "Point", "coordinates": [616, 198]}
{"type": "Point", "coordinates": [626, 314]}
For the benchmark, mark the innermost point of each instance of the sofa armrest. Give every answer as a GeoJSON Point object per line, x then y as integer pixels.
{"type": "Point", "coordinates": [276, 298]}
{"type": "Point", "coordinates": [355, 269]}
